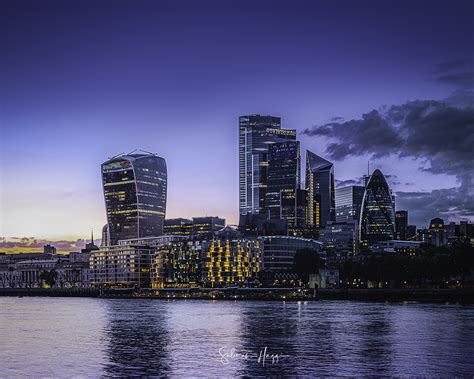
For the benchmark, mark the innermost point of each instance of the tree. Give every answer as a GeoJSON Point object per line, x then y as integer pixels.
{"type": "Point", "coordinates": [306, 262]}
{"type": "Point", "coordinates": [49, 277]}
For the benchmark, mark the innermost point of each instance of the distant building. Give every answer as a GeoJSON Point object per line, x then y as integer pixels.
{"type": "Point", "coordinates": [321, 206]}
{"type": "Point", "coordinates": [411, 232]}
{"type": "Point", "coordinates": [121, 266]}
{"type": "Point", "coordinates": [178, 226]}
{"type": "Point", "coordinates": [279, 251]}
{"type": "Point", "coordinates": [348, 203]}
{"type": "Point", "coordinates": [259, 225]}
{"type": "Point", "coordinates": [135, 195]}
{"type": "Point", "coordinates": [377, 222]}
{"type": "Point", "coordinates": [401, 225]}
{"type": "Point", "coordinates": [398, 246]}
{"type": "Point", "coordinates": [283, 181]}
{"type": "Point", "coordinates": [340, 237]}
{"type": "Point", "coordinates": [49, 249]}
{"type": "Point", "coordinates": [256, 133]}
{"type": "Point", "coordinates": [325, 278]}
{"type": "Point", "coordinates": [207, 224]}
{"type": "Point", "coordinates": [437, 232]}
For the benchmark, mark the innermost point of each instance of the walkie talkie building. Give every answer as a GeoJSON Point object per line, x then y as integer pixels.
{"type": "Point", "coordinates": [135, 195]}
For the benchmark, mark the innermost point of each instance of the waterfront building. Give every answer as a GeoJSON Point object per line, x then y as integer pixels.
{"type": "Point", "coordinates": [401, 225]}
{"type": "Point", "coordinates": [178, 226]}
{"type": "Point", "coordinates": [341, 237]}
{"type": "Point", "coordinates": [348, 203]}
{"type": "Point", "coordinates": [325, 278]}
{"type": "Point", "coordinates": [256, 133]}
{"type": "Point", "coordinates": [177, 264]}
{"type": "Point", "coordinates": [321, 206]}
{"type": "Point", "coordinates": [121, 266]}
{"type": "Point", "coordinates": [135, 195]}
{"type": "Point", "coordinates": [279, 251]}
{"type": "Point", "coordinates": [230, 259]}
{"type": "Point", "coordinates": [283, 180]}
{"type": "Point", "coordinates": [377, 219]}
{"type": "Point", "coordinates": [207, 225]}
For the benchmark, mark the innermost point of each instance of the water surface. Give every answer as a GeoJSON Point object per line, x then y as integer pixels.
{"type": "Point", "coordinates": [92, 337]}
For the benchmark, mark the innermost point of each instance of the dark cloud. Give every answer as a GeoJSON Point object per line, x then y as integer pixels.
{"type": "Point", "coordinates": [439, 133]}
{"type": "Point", "coordinates": [455, 64]}
{"type": "Point", "coordinates": [459, 72]}
{"type": "Point", "coordinates": [348, 182]}
{"type": "Point", "coordinates": [452, 204]}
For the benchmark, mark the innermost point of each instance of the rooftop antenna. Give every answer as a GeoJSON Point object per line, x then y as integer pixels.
{"type": "Point", "coordinates": [92, 236]}
{"type": "Point", "coordinates": [132, 152]}
{"type": "Point", "coordinates": [368, 168]}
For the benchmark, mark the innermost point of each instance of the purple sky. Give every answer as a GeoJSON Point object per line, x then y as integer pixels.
{"type": "Point", "coordinates": [85, 80]}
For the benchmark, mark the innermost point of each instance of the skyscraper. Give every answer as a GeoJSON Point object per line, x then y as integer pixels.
{"type": "Point", "coordinates": [401, 225]}
{"type": "Point", "coordinates": [377, 219]}
{"type": "Point", "coordinates": [283, 180]}
{"type": "Point", "coordinates": [135, 195]}
{"type": "Point", "coordinates": [348, 203]}
{"type": "Point", "coordinates": [256, 133]}
{"type": "Point", "coordinates": [321, 206]}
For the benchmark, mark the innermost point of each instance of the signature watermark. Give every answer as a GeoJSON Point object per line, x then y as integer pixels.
{"type": "Point", "coordinates": [263, 357]}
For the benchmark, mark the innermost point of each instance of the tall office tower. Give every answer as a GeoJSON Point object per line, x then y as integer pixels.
{"type": "Point", "coordinates": [348, 203]}
{"type": "Point", "coordinates": [401, 225]}
{"type": "Point", "coordinates": [256, 133]}
{"type": "Point", "coordinates": [105, 236]}
{"type": "Point", "coordinates": [135, 195]}
{"type": "Point", "coordinates": [320, 187]}
{"type": "Point", "coordinates": [377, 219]}
{"type": "Point", "coordinates": [283, 179]}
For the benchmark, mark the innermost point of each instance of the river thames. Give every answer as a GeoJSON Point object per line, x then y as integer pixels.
{"type": "Point", "coordinates": [65, 337]}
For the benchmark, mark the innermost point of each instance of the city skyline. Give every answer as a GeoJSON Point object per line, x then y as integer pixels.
{"type": "Point", "coordinates": [67, 107]}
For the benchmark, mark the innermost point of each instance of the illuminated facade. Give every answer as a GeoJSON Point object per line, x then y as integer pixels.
{"type": "Point", "coordinates": [230, 261]}
{"type": "Point", "coordinates": [377, 219]}
{"type": "Point", "coordinates": [348, 203]}
{"type": "Point", "coordinates": [283, 180]}
{"type": "Point", "coordinates": [178, 226]}
{"type": "Point", "coordinates": [124, 266]}
{"type": "Point", "coordinates": [256, 133]}
{"type": "Point", "coordinates": [177, 264]}
{"type": "Point", "coordinates": [401, 225]}
{"type": "Point", "coordinates": [321, 206]}
{"type": "Point", "coordinates": [135, 196]}
{"type": "Point", "coordinates": [207, 225]}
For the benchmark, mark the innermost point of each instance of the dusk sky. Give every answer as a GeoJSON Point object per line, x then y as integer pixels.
{"type": "Point", "coordinates": [82, 81]}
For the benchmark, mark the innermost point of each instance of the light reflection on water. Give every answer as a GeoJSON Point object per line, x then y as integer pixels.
{"type": "Point", "coordinates": [112, 337]}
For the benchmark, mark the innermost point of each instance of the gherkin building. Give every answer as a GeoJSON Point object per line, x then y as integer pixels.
{"type": "Point", "coordinates": [377, 219]}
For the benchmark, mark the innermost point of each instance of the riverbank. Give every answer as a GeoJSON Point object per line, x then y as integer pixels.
{"type": "Point", "coordinates": [465, 296]}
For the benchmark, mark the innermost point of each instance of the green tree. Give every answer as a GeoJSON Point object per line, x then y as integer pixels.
{"type": "Point", "coordinates": [49, 277]}
{"type": "Point", "coordinates": [306, 262]}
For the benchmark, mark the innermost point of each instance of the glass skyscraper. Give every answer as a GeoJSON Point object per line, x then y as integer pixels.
{"type": "Point", "coordinates": [135, 196]}
{"type": "Point", "coordinates": [349, 203]}
{"type": "Point", "coordinates": [321, 206]}
{"type": "Point", "coordinates": [377, 219]}
{"type": "Point", "coordinates": [256, 133]}
{"type": "Point", "coordinates": [283, 180]}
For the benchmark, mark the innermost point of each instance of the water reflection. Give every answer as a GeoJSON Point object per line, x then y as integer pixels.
{"type": "Point", "coordinates": [136, 336]}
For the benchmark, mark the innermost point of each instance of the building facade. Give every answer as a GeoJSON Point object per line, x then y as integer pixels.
{"type": "Point", "coordinates": [401, 225]}
{"type": "Point", "coordinates": [279, 251]}
{"type": "Point", "coordinates": [207, 225]}
{"type": "Point", "coordinates": [321, 206]}
{"type": "Point", "coordinates": [256, 133]}
{"type": "Point", "coordinates": [178, 226]}
{"type": "Point", "coordinates": [341, 237]}
{"type": "Point", "coordinates": [377, 219]}
{"type": "Point", "coordinates": [348, 203]}
{"type": "Point", "coordinates": [121, 266]}
{"type": "Point", "coordinates": [283, 180]}
{"type": "Point", "coordinates": [135, 188]}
